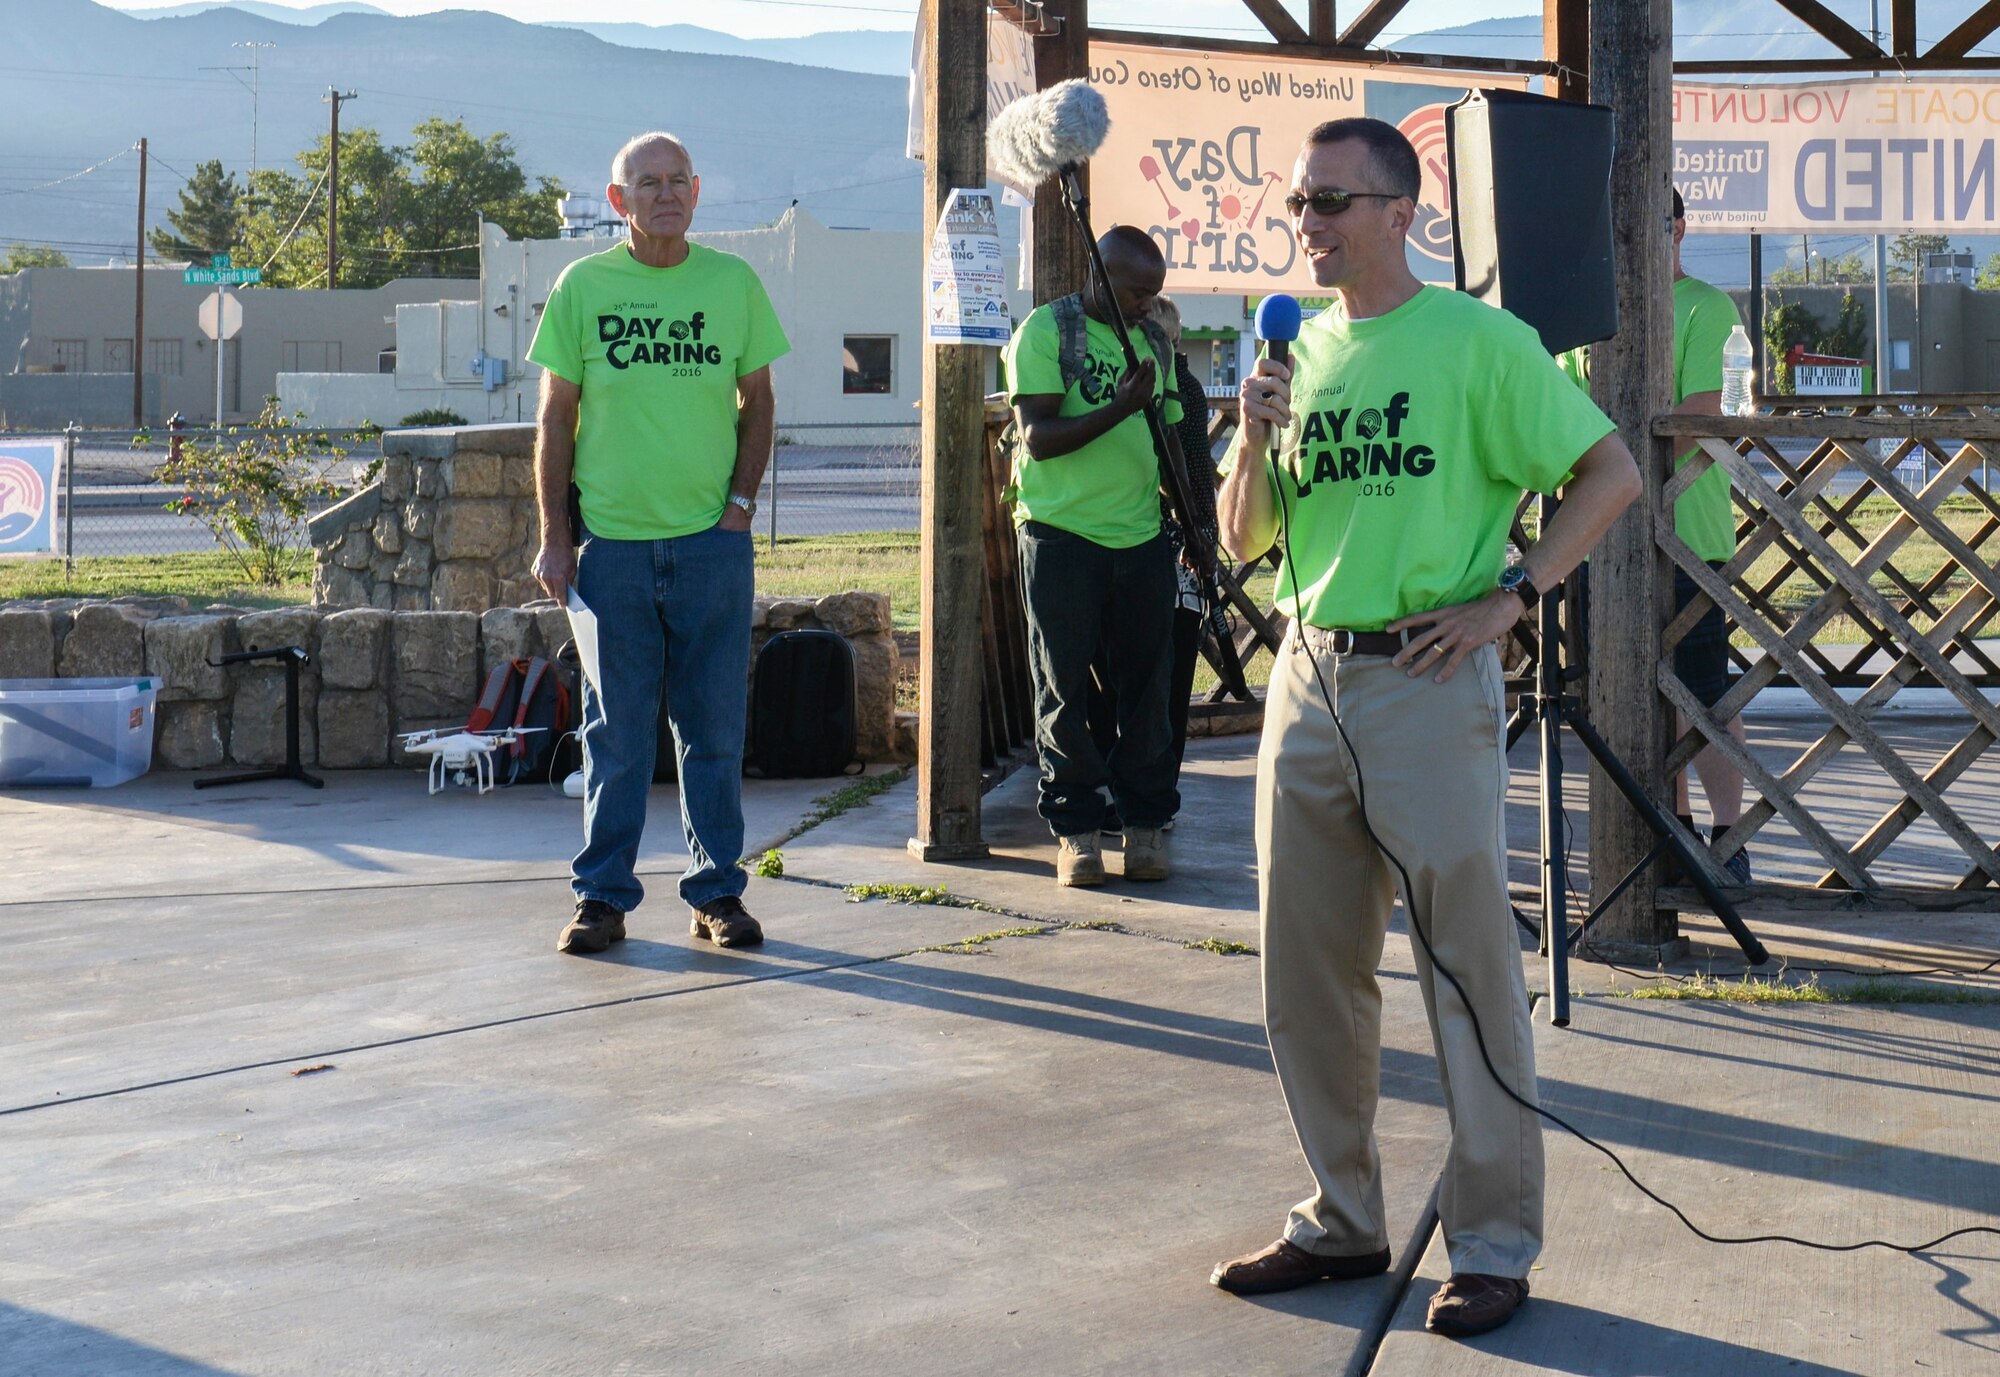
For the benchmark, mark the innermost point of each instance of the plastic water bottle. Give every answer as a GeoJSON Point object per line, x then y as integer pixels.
{"type": "Point", "coordinates": [1736, 398]}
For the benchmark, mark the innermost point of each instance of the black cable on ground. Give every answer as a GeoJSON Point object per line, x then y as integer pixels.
{"type": "Point", "coordinates": [1479, 1033]}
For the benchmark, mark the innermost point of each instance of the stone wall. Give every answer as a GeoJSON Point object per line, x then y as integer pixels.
{"type": "Point", "coordinates": [449, 526]}
{"type": "Point", "coordinates": [372, 673]}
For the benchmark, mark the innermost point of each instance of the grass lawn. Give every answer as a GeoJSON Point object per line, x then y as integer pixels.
{"type": "Point", "coordinates": [872, 562]}
{"type": "Point", "coordinates": [200, 578]}
{"type": "Point", "coordinates": [1918, 558]}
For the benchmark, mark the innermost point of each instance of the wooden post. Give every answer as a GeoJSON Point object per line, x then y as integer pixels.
{"type": "Point", "coordinates": [1566, 42]}
{"type": "Point", "coordinates": [1061, 265]}
{"type": "Point", "coordinates": [1631, 56]}
{"type": "Point", "coordinates": [954, 464]}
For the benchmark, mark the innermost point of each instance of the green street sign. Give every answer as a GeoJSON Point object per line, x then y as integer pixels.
{"type": "Point", "coordinates": [214, 277]}
{"type": "Point", "coordinates": [219, 261]}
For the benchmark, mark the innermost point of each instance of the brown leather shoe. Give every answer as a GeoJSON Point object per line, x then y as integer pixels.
{"type": "Point", "coordinates": [725, 922]}
{"type": "Point", "coordinates": [1472, 1303]}
{"type": "Point", "coordinates": [596, 926]}
{"type": "Point", "coordinates": [1285, 1265]}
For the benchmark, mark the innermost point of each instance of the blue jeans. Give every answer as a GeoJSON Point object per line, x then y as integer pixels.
{"type": "Point", "coordinates": [679, 610]}
{"type": "Point", "coordinates": [1087, 601]}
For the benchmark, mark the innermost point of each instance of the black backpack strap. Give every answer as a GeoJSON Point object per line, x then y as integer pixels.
{"type": "Point", "coordinates": [1072, 338]}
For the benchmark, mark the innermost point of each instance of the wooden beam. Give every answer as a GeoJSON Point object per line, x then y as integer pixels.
{"type": "Point", "coordinates": [1056, 251]}
{"type": "Point", "coordinates": [953, 557]}
{"type": "Point", "coordinates": [1371, 22]}
{"type": "Point", "coordinates": [1630, 71]}
{"type": "Point", "coordinates": [1978, 25]}
{"type": "Point", "coordinates": [1275, 18]}
{"type": "Point", "coordinates": [1318, 52]}
{"type": "Point", "coordinates": [1320, 21]}
{"type": "Point", "coordinates": [1849, 66]}
{"type": "Point", "coordinates": [1832, 28]}
{"type": "Point", "coordinates": [1566, 47]}
{"type": "Point", "coordinates": [1903, 28]}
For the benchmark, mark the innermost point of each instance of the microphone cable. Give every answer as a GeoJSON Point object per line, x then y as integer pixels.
{"type": "Point", "coordinates": [1478, 1032]}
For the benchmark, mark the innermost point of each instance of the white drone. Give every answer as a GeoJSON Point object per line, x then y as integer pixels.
{"type": "Point", "coordinates": [465, 756]}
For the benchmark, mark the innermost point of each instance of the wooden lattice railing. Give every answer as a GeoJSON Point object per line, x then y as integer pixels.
{"type": "Point", "coordinates": [1866, 560]}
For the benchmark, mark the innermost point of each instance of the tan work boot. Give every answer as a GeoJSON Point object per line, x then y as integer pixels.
{"type": "Point", "coordinates": [1146, 854]}
{"type": "Point", "coordinates": [1079, 864]}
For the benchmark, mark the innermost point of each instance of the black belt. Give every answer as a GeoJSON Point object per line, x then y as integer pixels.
{"type": "Point", "coordinates": [1340, 641]}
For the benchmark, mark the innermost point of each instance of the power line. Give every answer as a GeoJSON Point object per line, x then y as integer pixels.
{"type": "Point", "coordinates": [23, 191]}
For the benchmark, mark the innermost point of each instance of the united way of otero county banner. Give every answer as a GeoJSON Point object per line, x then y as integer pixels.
{"type": "Point", "coordinates": [1201, 149]}
{"type": "Point", "coordinates": [1856, 157]}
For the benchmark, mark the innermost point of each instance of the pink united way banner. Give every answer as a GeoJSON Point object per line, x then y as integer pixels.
{"type": "Point", "coordinates": [28, 474]}
{"type": "Point", "coordinates": [1201, 149]}
{"type": "Point", "coordinates": [1856, 157]}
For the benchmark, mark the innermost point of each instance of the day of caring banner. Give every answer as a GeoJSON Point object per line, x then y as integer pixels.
{"type": "Point", "coordinates": [1201, 149]}
{"type": "Point", "coordinates": [1857, 157]}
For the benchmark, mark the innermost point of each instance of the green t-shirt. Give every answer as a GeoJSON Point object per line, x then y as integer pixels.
{"type": "Point", "coordinates": [1703, 318]}
{"type": "Point", "coordinates": [657, 352]}
{"type": "Point", "coordinates": [1109, 490]}
{"type": "Point", "coordinates": [1413, 436]}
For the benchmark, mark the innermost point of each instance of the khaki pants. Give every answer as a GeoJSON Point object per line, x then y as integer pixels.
{"type": "Point", "coordinates": [1434, 778]}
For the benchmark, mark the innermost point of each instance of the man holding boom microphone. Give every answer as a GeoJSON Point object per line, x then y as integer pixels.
{"type": "Point", "coordinates": [1408, 425]}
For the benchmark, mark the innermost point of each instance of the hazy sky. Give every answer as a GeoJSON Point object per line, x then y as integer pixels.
{"type": "Point", "coordinates": [785, 18]}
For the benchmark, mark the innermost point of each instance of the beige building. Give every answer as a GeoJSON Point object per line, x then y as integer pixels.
{"type": "Point", "coordinates": [850, 302]}
{"type": "Point", "coordinates": [66, 343]}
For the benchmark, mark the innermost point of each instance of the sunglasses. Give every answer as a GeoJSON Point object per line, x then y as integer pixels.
{"type": "Point", "coordinates": [1332, 202]}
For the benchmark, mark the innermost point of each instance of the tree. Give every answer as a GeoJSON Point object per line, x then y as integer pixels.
{"type": "Point", "coordinates": [463, 177]}
{"type": "Point", "coordinates": [1906, 254]}
{"type": "Point", "coordinates": [1849, 267]}
{"type": "Point", "coordinates": [1788, 323]}
{"type": "Point", "coordinates": [208, 220]}
{"type": "Point", "coordinates": [19, 256]}
{"type": "Point", "coordinates": [1848, 339]}
{"type": "Point", "coordinates": [404, 211]}
{"type": "Point", "coordinates": [1989, 276]}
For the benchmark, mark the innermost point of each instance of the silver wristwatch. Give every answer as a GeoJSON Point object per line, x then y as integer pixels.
{"type": "Point", "coordinates": [748, 504]}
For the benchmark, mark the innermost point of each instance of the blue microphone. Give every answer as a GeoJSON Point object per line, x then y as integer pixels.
{"type": "Point", "coordinates": [1278, 325]}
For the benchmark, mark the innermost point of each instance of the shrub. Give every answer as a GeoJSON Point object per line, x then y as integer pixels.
{"type": "Point", "coordinates": [252, 488]}
{"type": "Point", "coordinates": [434, 416]}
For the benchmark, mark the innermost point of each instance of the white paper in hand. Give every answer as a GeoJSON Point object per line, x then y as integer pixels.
{"type": "Point", "coordinates": [583, 626]}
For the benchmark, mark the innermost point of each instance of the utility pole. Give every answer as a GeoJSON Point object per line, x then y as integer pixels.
{"type": "Point", "coordinates": [334, 98]}
{"type": "Point", "coordinates": [139, 305]}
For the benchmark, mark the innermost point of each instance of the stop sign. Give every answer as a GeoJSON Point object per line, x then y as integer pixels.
{"type": "Point", "coordinates": [221, 316]}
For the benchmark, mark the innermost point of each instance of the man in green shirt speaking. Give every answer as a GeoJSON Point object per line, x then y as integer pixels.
{"type": "Point", "coordinates": [1408, 424]}
{"type": "Point", "coordinates": [1097, 570]}
{"type": "Point", "coordinates": [657, 403]}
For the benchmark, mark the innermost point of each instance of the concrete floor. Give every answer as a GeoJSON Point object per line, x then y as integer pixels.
{"type": "Point", "coordinates": [849, 1151]}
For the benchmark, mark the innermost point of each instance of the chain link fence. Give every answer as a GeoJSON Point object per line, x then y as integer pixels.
{"type": "Point", "coordinates": [111, 501]}
{"type": "Point", "coordinates": [828, 479]}
{"type": "Point", "coordinates": [838, 478]}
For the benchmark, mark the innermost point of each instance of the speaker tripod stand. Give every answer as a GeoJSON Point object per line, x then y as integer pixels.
{"type": "Point", "coordinates": [1548, 710]}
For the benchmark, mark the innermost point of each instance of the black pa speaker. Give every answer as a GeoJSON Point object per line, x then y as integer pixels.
{"type": "Point", "coordinates": [1531, 210]}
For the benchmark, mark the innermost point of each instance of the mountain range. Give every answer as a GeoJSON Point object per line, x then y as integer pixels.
{"type": "Point", "coordinates": [80, 83]}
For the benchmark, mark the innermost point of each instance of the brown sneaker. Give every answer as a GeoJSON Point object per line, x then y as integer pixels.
{"type": "Point", "coordinates": [1284, 1265]}
{"type": "Point", "coordinates": [1472, 1303]}
{"type": "Point", "coordinates": [596, 926]}
{"type": "Point", "coordinates": [725, 922]}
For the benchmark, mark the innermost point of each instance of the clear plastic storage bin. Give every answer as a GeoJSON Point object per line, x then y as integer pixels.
{"type": "Point", "coordinates": [77, 732]}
